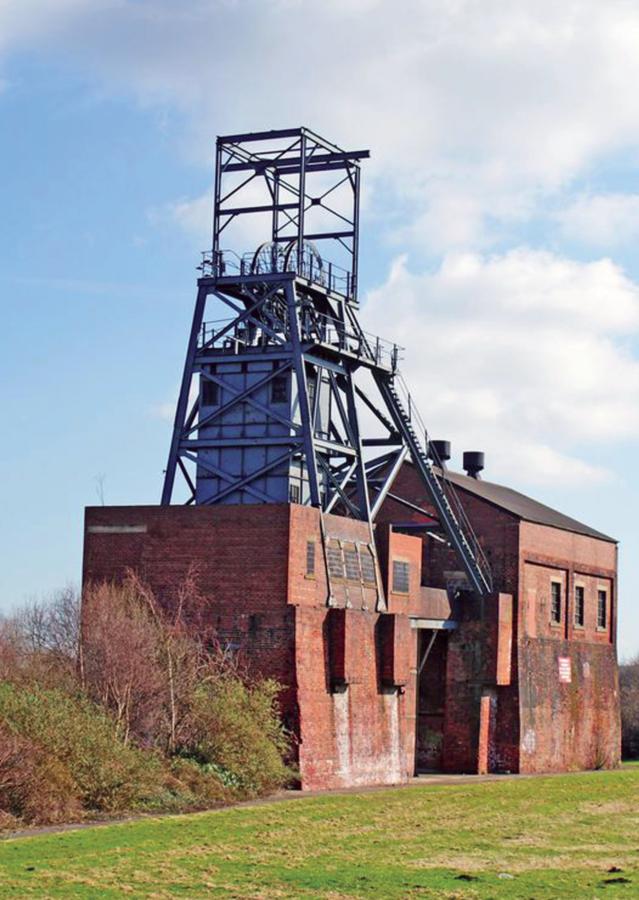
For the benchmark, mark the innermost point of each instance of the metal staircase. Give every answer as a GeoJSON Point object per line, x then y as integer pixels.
{"type": "Point", "coordinates": [449, 509]}
{"type": "Point", "coordinates": [270, 402]}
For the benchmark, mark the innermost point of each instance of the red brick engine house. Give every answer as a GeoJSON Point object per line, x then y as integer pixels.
{"type": "Point", "coordinates": [418, 619]}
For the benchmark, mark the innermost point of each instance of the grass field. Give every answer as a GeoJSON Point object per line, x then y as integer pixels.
{"type": "Point", "coordinates": [568, 836]}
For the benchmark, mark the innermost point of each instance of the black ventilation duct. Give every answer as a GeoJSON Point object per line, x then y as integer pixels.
{"type": "Point", "coordinates": [439, 451]}
{"type": "Point", "coordinates": [473, 462]}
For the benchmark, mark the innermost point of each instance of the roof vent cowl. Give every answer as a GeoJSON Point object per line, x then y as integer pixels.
{"type": "Point", "coordinates": [439, 451]}
{"type": "Point", "coordinates": [473, 463]}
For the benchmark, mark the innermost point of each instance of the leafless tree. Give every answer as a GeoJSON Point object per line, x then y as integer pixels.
{"type": "Point", "coordinates": [141, 660]}
{"type": "Point", "coordinates": [40, 640]}
{"type": "Point", "coordinates": [99, 487]}
{"type": "Point", "coordinates": [120, 668]}
{"type": "Point", "coordinates": [629, 688]}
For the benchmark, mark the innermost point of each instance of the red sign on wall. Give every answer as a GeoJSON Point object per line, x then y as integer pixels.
{"type": "Point", "coordinates": [565, 669]}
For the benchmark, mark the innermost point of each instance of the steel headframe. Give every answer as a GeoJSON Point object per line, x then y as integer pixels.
{"type": "Point", "coordinates": [299, 174]}
{"type": "Point", "coordinates": [289, 306]}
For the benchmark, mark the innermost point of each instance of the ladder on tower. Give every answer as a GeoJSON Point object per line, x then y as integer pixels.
{"type": "Point", "coordinates": [447, 505]}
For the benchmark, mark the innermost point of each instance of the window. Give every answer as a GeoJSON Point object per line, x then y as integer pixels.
{"type": "Point", "coordinates": [335, 560]}
{"type": "Point", "coordinates": [210, 393]}
{"type": "Point", "coordinates": [310, 557]}
{"type": "Point", "coordinates": [279, 389]}
{"type": "Point", "coordinates": [294, 493]}
{"type": "Point", "coordinates": [555, 602]}
{"type": "Point", "coordinates": [351, 564]}
{"type": "Point", "coordinates": [602, 604]}
{"type": "Point", "coordinates": [367, 564]}
{"type": "Point", "coordinates": [580, 605]}
{"type": "Point", "coordinates": [401, 571]}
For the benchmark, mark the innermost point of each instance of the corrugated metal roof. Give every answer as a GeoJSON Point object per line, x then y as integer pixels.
{"type": "Point", "coordinates": [522, 506]}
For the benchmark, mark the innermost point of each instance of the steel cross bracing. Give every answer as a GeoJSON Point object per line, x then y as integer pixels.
{"type": "Point", "coordinates": [287, 319]}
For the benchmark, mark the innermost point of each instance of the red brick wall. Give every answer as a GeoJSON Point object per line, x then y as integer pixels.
{"type": "Point", "coordinates": [571, 725]}
{"type": "Point", "coordinates": [406, 548]}
{"type": "Point", "coordinates": [259, 598]}
{"type": "Point", "coordinates": [239, 554]}
{"type": "Point", "coordinates": [497, 531]}
{"type": "Point", "coordinates": [464, 682]}
{"type": "Point", "coordinates": [360, 733]}
{"type": "Point", "coordinates": [251, 565]}
{"type": "Point", "coordinates": [473, 649]}
{"type": "Point", "coordinates": [504, 651]}
{"type": "Point", "coordinates": [548, 553]}
{"type": "Point", "coordinates": [315, 590]}
{"type": "Point", "coordinates": [567, 725]}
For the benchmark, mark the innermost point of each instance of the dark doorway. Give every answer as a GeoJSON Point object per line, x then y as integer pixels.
{"type": "Point", "coordinates": [432, 646]}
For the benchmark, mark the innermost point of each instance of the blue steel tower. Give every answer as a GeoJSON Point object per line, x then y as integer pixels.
{"type": "Point", "coordinates": [284, 397]}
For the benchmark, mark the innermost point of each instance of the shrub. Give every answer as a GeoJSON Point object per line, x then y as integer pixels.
{"type": "Point", "coordinates": [120, 666]}
{"type": "Point", "coordinates": [135, 710]}
{"type": "Point", "coordinates": [34, 787]}
{"type": "Point", "coordinates": [166, 688]}
{"type": "Point", "coordinates": [238, 731]}
{"type": "Point", "coordinates": [83, 753]}
{"type": "Point", "coordinates": [629, 691]}
{"type": "Point", "coordinates": [39, 642]}
{"type": "Point", "coordinates": [196, 786]}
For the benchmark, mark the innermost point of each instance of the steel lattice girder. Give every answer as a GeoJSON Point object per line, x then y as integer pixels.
{"type": "Point", "coordinates": [308, 328]}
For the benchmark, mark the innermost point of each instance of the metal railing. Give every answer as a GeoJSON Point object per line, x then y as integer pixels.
{"type": "Point", "coordinates": [344, 336]}
{"type": "Point", "coordinates": [315, 327]}
{"type": "Point", "coordinates": [279, 260]}
{"type": "Point", "coordinates": [431, 454]}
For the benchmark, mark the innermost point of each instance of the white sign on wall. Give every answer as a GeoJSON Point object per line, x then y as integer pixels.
{"type": "Point", "coordinates": [565, 669]}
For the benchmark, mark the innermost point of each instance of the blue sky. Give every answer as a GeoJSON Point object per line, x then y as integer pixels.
{"type": "Point", "coordinates": [500, 225]}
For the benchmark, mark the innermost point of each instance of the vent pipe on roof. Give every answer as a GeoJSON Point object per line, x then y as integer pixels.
{"type": "Point", "coordinates": [473, 463]}
{"type": "Point", "coordinates": [439, 452]}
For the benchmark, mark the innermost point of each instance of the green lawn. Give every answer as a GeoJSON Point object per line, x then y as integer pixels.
{"type": "Point", "coordinates": [568, 836]}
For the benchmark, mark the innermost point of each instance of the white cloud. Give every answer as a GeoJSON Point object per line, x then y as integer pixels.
{"type": "Point", "coordinates": [601, 220]}
{"type": "Point", "coordinates": [475, 112]}
{"type": "Point", "coordinates": [195, 217]}
{"type": "Point", "coordinates": [22, 24]}
{"type": "Point", "coordinates": [525, 355]}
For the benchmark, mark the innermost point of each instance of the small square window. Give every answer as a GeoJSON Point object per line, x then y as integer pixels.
{"type": "Point", "coordinates": [401, 576]}
{"type": "Point", "coordinates": [602, 608]}
{"type": "Point", "coordinates": [555, 602]}
{"type": "Point", "coordinates": [210, 393]}
{"type": "Point", "coordinates": [580, 605]}
{"type": "Point", "coordinates": [279, 389]}
{"type": "Point", "coordinates": [294, 493]}
{"type": "Point", "coordinates": [310, 557]}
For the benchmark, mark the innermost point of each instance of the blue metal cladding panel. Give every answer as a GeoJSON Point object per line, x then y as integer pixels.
{"type": "Point", "coordinates": [248, 421]}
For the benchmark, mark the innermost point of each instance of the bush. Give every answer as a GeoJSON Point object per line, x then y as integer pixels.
{"type": "Point", "coordinates": [121, 668]}
{"type": "Point", "coordinates": [39, 642]}
{"type": "Point", "coordinates": [192, 785]}
{"type": "Point", "coordinates": [73, 749]}
{"type": "Point", "coordinates": [166, 688]}
{"type": "Point", "coordinates": [135, 710]}
{"type": "Point", "coordinates": [238, 731]}
{"type": "Point", "coordinates": [629, 691]}
{"type": "Point", "coordinates": [33, 786]}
